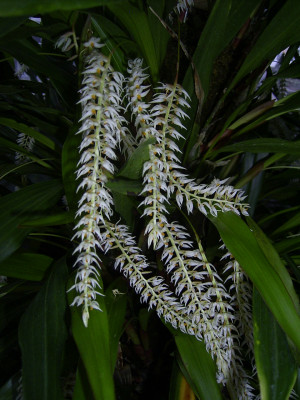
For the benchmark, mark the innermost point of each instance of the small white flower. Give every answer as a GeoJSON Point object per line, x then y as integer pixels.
{"type": "Point", "coordinates": [64, 42]}
{"type": "Point", "coordinates": [93, 43]}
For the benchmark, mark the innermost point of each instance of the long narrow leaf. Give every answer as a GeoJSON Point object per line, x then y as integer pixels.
{"type": "Point", "coordinates": [242, 243]}
{"type": "Point", "coordinates": [276, 366]}
{"type": "Point", "coordinates": [93, 344]}
{"type": "Point", "coordinates": [198, 367]}
{"type": "Point", "coordinates": [42, 333]}
{"type": "Point", "coordinates": [29, 266]}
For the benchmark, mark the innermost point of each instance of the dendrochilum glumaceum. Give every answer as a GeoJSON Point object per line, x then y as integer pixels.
{"type": "Point", "coordinates": [196, 300]}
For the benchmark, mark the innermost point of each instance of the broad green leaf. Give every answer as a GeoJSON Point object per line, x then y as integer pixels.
{"type": "Point", "coordinates": [28, 266]}
{"type": "Point", "coordinates": [244, 246]}
{"type": "Point", "coordinates": [125, 206]}
{"type": "Point", "coordinates": [279, 34]}
{"type": "Point", "coordinates": [29, 131]}
{"type": "Point", "coordinates": [262, 145]}
{"type": "Point", "coordinates": [93, 344]}
{"type": "Point", "coordinates": [31, 7]}
{"type": "Point", "coordinates": [125, 186]}
{"type": "Point", "coordinates": [198, 367]}
{"type": "Point", "coordinates": [276, 366]}
{"type": "Point", "coordinates": [42, 334]}
{"type": "Point", "coordinates": [133, 169]}
{"type": "Point", "coordinates": [18, 207]}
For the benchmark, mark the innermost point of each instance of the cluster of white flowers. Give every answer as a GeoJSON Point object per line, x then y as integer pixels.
{"type": "Point", "coordinates": [240, 300]}
{"type": "Point", "coordinates": [197, 285]}
{"type": "Point", "coordinates": [27, 143]}
{"type": "Point", "coordinates": [100, 129]}
{"type": "Point", "coordinates": [196, 301]}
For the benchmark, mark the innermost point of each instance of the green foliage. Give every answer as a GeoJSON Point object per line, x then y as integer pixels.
{"type": "Point", "coordinates": [243, 125]}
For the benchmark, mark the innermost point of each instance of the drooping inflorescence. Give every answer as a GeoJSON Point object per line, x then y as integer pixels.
{"type": "Point", "coordinates": [100, 129]}
{"type": "Point", "coordinates": [195, 300]}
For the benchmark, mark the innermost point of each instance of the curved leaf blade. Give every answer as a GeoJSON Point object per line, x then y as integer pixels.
{"type": "Point", "coordinates": [198, 367]}
{"type": "Point", "coordinates": [28, 266]}
{"type": "Point", "coordinates": [244, 246]}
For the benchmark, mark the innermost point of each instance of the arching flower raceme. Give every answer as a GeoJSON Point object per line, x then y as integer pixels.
{"type": "Point", "coordinates": [197, 284]}
{"type": "Point", "coordinates": [101, 131]}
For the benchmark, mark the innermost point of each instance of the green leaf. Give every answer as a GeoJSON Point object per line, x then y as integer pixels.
{"type": "Point", "coordinates": [133, 169]}
{"type": "Point", "coordinates": [125, 186]}
{"type": "Point", "coordinates": [198, 367]}
{"type": "Point", "coordinates": [31, 7]}
{"type": "Point", "coordinates": [82, 389]}
{"type": "Point", "coordinates": [104, 27]}
{"type": "Point", "coordinates": [283, 106]}
{"type": "Point", "coordinates": [17, 207]}
{"type": "Point", "coordinates": [125, 207]}
{"type": "Point", "coordinates": [244, 246]}
{"type": "Point", "coordinates": [93, 344]}
{"type": "Point", "coordinates": [224, 22]}
{"type": "Point", "coordinates": [276, 366]}
{"type": "Point", "coordinates": [42, 334]}
{"type": "Point", "coordinates": [256, 112]}
{"type": "Point", "coordinates": [28, 266]}
{"type": "Point", "coordinates": [274, 259]}
{"type": "Point", "coordinates": [262, 145]}
{"type": "Point", "coordinates": [137, 24]}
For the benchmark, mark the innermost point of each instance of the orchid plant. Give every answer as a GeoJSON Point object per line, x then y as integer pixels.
{"type": "Point", "coordinates": [148, 198]}
{"type": "Point", "coordinates": [194, 299]}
